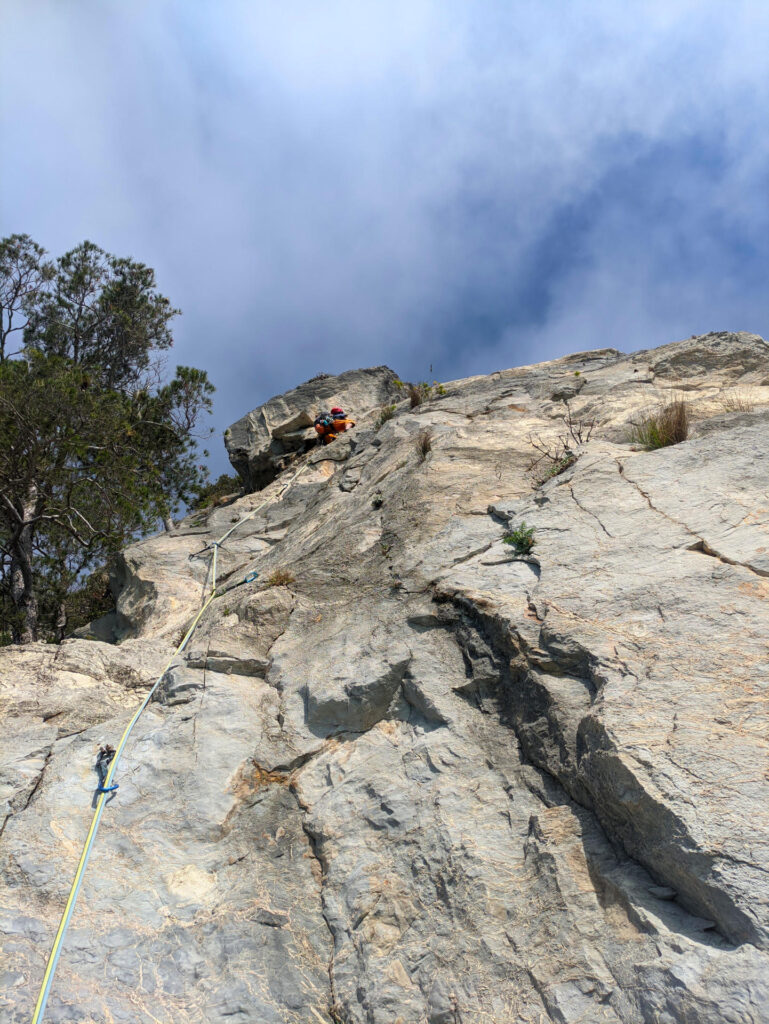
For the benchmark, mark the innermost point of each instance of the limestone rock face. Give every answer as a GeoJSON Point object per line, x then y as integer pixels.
{"type": "Point", "coordinates": [414, 777]}
{"type": "Point", "coordinates": [258, 443]}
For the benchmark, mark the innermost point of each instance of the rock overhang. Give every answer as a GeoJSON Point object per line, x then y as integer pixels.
{"type": "Point", "coordinates": [259, 442]}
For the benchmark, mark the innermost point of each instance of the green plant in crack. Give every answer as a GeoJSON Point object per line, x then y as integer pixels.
{"type": "Point", "coordinates": [521, 538]}
{"type": "Point", "coordinates": [559, 467]}
{"type": "Point", "coordinates": [386, 413]}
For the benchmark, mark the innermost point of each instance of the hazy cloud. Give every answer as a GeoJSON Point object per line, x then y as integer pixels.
{"type": "Point", "coordinates": [417, 182]}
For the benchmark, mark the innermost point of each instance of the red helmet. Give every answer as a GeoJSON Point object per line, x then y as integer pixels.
{"type": "Point", "coordinates": [336, 411]}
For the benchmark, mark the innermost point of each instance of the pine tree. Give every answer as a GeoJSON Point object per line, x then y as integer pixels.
{"type": "Point", "coordinates": [94, 450]}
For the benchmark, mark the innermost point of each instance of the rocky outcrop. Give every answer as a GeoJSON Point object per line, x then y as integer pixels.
{"type": "Point", "coordinates": [413, 776]}
{"type": "Point", "coordinates": [260, 443]}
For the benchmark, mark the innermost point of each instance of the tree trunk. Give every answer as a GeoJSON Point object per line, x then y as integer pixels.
{"type": "Point", "coordinates": [22, 578]}
{"type": "Point", "coordinates": [168, 524]}
{"type": "Point", "coordinates": [61, 622]}
{"type": "Point", "coordinates": [22, 590]}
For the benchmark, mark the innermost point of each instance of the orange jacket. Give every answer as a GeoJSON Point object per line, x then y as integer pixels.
{"type": "Point", "coordinates": [330, 433]}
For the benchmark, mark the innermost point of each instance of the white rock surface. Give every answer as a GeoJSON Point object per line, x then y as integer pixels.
{"type": "Point", "coordinates": [427, 782]}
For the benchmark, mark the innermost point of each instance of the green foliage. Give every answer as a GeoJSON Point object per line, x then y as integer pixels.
{"type": "Point", "coordinates": [24, 273]}
{"type": "Point", "coordinates": [662, 427]}
{"type": "Point", "coordinates": [521, 538]}
{"type": "Point", "coordinates": [103, 312]}
{"type": "Point", "coordinates": [212, 493]}
{"type": "Point", "coordinates": [558, 467]}
{"type": "Point", "coordinates": [422, 392]}
{"type": "Point", "coordinates": [556, 454]}
{"type": "Point", "coordinates": [81, 605]}
{"type": "Point", "coordinates": [385, 413]}
{"type": "Point", "coordinates": [95, 449]}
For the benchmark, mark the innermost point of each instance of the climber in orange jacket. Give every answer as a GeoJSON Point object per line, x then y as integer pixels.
{"type": "Point", "coordinates": [330, 425]}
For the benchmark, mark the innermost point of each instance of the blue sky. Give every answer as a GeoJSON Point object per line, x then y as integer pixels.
{"type": "Point", "coordinates": [462, 185]}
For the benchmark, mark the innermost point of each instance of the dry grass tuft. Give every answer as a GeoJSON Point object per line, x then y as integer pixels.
{"type": "Point", "coordinates": [280, 578]}
{"type": "Point", "coordinates": [662, 427]}
{"type": "Point", "coordinates": [737, 401]}
{"type": "Point", "coordinates": [423, 444]}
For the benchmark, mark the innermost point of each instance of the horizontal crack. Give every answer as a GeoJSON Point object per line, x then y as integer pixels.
{"type": "Point", "coordinates": [700, 543]}
{"type": "Point", "coordinates": [704, 548]}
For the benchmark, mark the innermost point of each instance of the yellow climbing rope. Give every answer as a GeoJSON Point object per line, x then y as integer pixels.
{"type": "Point", "coordinates": [58, 941]}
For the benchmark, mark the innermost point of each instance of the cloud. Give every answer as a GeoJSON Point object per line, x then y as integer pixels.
{"type": "Point", "coordinates": [422, 182]}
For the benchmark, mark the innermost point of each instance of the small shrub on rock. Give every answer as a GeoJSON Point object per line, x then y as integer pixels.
{"type": "Point", "coordinates": [385, 413]}
{"type": "Point", "coordinates": [423, 391]}
{"type": "Point", "coordinates": [568, 460]}
{"type": "Point", "coordinates": [662, 427]}
{"type": "Point", "coordinates": [424, 444]}
{"type": "Point", "coordinates": [218, 492]}
{"type": "Point", "coordinates": [557, 455]}
{"type": "Point", "coordinates": [280, 578]}
{"type": "Point", "coordinates": [521, 538]}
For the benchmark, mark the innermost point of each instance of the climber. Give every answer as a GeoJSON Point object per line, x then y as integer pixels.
{"type": "Point", "coordinates": [103, 761]}
{"type": "Point", "coordinates": [341, 423]}
{"type": "Point", "coordinates": [329, 425]}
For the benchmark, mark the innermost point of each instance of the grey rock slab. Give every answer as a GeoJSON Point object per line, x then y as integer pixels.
{"type": "Point", "coordinates": [733, 354]}
{"type": "Point", "coordinates": [428, 780]}
{"type": "Point", "coordinates": [649, 749]}
{"type": "Point", "coordinates": [725, 510]}
{"type": "Point", "coordinates": [191, 864]}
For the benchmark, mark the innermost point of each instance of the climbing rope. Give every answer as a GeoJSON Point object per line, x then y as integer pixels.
{"type": "Point", "coordinates": [107, 787]}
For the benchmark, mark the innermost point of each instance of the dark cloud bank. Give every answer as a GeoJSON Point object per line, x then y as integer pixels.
{"type": "Point", "coordinates": [457, 185]}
